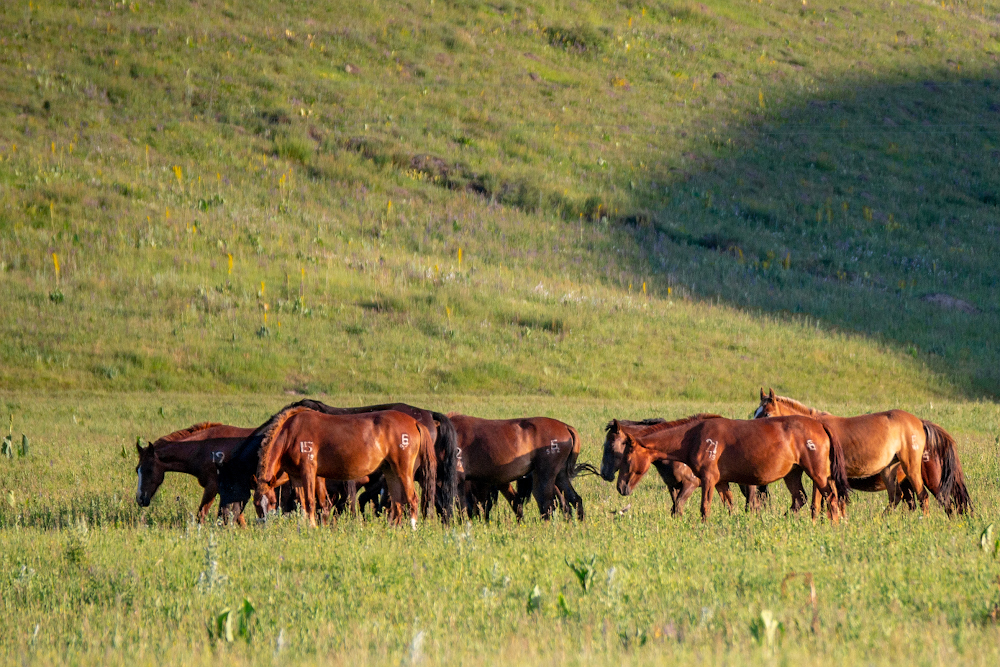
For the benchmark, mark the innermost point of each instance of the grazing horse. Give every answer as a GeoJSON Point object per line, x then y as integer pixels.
{"type": "Point", "coordinates": [307, 444]}
{"type": "Point", "coordinates": [198, 450]}
{"type": "Point", "coordinates": [440, 486]}
{"type": "Point", "coordinates": [746, 452]}
{"type": "Point", "coordinates": [496, 452]}
{"type": "Point", "coordinates": [680, 480]}
{"type": "Point", "coordinates": [893, 450]}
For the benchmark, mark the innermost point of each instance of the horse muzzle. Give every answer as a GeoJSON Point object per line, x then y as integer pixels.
{"type": "Point", "coordinates": [142, 500]}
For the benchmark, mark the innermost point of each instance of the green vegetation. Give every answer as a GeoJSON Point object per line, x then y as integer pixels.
{"type": "Point", "coordinates": [580, 209]}
{"type": "Point", "coordinates": [649, 199]}
{"type": "Point", "coordinates": [117, 585]}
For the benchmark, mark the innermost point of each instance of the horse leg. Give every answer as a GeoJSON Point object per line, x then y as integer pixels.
{"type": "Point", "coordinates": [307, 497]}
{"type": "Point", "coordinates": [207, 498]}
{"type": "Point", "coordinates": [323, 500]}
{"type": "Point", "coordinates": [573, 499]}
{"type": "Point", "coordinates": [911, 460]}
{"type": "Point", "coordinates": [709, 478]}
{"type": "Point", "coordinates": [523, 486]}
{"type": "Point", "coordinates": [544, 492]}
{"type": "Point", "coordinates": [793, 481]}
{"type": "Point", "coordinates": [352, 497]}
{"type": "Point", "coordinates": [726, 494]}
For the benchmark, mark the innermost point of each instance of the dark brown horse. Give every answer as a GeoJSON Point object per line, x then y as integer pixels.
{"type": "Point", "coordinates": [745, 452]}
{"type": "Point", "coordinates": [307, 444]}
{"type": "Point", "coordinates": [439, 483]}
{"type": "Point", "coordinates": [198, 450]}
{"type": "Point", "coordinates": [497, 452]}
{"type": "Point", "coordinates": [895, 451]}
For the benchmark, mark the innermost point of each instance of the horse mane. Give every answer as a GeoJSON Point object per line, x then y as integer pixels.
{"type": "Point", "coordinates": [185, 432]}
{"type": "Point", "coordinates": [701, 416]}
{"type": "Point", "coordinates": [269, 429]}
{"type": "Point", "coordinates": [654, 425]}
{"type": "Point", "coordinates": [798, 405]}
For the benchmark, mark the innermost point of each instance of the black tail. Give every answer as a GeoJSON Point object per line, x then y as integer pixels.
{"type": "Point", "coordinates": [838, 468]}
{"type": "Point", "coordinates": [952, 495]}
{"type": "Point", "coordinates": [583, 469]}
{"type": "Point", "coordinates": [447, 474]}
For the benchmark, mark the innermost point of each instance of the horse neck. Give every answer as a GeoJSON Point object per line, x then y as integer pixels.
{"type": "Point", "coordinates": [665, 445]}
{"type": "Point", "coordinates": [177, 457]}
{"type": "Point", "coordinates": [268, 466]}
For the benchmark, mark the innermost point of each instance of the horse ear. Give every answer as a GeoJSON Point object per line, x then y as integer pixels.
{"type": "Point", "coordinates": [138, 445]}
{"type": "Point", "coordinates": [762, 397]}
{"type": "Point", "coordinates": [770, 393]}
{"type": "Point", "coordinates": [615, 426]}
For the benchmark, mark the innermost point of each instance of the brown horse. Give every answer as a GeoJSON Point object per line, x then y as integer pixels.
{"type": "Point", "coordinates": [438, 483]}
{"type": "Point", "coordinates": [746, 452]}
{"type": "Point", "coordinates": [198, 450]}
{"type": "Point", "coordinates": [496, 452]}
{"type": "Point", "coordinates": [307, 444]}
{"type": "Point", "coordinates": [893, 450]}
{"type": "Point", "coordinates": [680, 481]}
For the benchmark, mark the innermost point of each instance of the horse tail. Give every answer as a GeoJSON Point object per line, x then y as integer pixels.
{"type": "Point", "coordinates": [428, 464]}
{"type": "Point", "coordinates": [447, 444]}
{"type": "Point", "coordinates": [269, 432]}
{"type": "Point", "coordinates": [838, 467]}
{"type": "Point", "coordinates": [953, 489]}
{"type": "Point", "coordinates": [573, 469]}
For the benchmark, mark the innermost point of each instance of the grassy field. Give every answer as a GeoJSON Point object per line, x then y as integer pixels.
{"type": "Point", "coordinates": [118, 586]}
{"type": "Point", "coordinates": [575, 199]}
{"type": "Point", "coordinates": [579, 209]}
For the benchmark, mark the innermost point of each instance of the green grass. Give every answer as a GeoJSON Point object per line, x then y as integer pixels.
{"type": "Point", "coordinates": [658, 207]}
{"type": "Point", "coordinates": [788, 181]}
{"type": "Point", "coordinates": [116, 585]}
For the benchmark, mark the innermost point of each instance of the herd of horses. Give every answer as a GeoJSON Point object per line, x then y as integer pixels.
{"type": "Point", "coordinates": [326, 460]}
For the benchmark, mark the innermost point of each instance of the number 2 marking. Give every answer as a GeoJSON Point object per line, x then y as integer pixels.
{"type": "Point", "coordinates": [405, 441]}
{"type": "Point", "coordinates": [554, 447]}
{"type": "Point", "coordinates": [713, 447]}
{"type": "Point", "coordinates": [218, 457]}
{"type": "Point", "coordinates": [306, 447]}
{"type": "Point", "coordinates": [811, 445]}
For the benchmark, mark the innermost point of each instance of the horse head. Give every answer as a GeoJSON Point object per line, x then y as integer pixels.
{"type": "Point", "coordinates": [150, 471]}
{"type": "Point", "coordinates": [768, 406]}
{"type": "Point", "coordinates": [614, 447]}
{"type": "Point", "coordinates": [635, 462]}
{"type": "Point", "coordinates": [264, 498]}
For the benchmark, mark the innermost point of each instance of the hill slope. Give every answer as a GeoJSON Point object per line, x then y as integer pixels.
{"type": "Point", "coordinates": [660, 199]}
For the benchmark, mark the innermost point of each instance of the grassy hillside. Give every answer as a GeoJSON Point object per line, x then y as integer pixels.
{"type": "Point", "coordinates": [638, 199]}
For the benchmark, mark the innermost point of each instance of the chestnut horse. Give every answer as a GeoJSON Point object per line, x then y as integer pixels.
{"type": "Point", "coordinates": [496, 452]}
{"type": "Point", "coordinates": [198, 450]}
{"type": "Point", "coordinates": [680, 480]}
{"type": "Point", "coordinates": [307, 444]}
{"type": "Point", "coordinates": [893, 450]}
{"type": "Point", "coordinates": [439, 483]}
{"type": "Point", "coordinates": [746, 452]}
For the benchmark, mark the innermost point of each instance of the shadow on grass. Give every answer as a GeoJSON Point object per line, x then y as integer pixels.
{"type": "Point", "coordinates": [874, 208]}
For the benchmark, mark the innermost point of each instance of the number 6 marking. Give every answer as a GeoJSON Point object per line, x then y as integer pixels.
{"type": "Point", "coordinates": [405, 442]}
